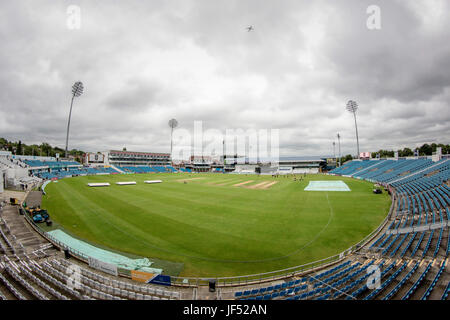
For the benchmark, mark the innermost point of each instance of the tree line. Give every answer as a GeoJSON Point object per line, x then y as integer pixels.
{"type": "Point", "coordinates": [424, 150]}
{"type": "Point", "coordinates": [43, 149]}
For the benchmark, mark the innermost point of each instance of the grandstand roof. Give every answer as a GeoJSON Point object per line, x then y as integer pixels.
{"type": "Point", "coordinates": [136, 153]}
{"type": "Point", "coordinates": [305, 159]}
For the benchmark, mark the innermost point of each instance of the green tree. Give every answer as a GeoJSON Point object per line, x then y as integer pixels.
{"type": "Point", "coordinates": [348, 157]}
{"type": "Point", "coordinates": [46, 149]}
{"type": "Point", "coordinates": [19, 148]}
{"type": "Point", "coordinates": [406, 152]}
{"type": "Point", "coordinates": [3, 143]}
{"type": "Point", "coordinates": [425, 150]}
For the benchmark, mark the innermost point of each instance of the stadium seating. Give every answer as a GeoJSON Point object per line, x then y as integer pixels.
{"type": "Point", "coordinates": [51, 164]}
{"type": "Point", "coordinates": [58, 173]}
{"type": "Point", "coordinates": [422, 201]}
{"type": "Point", "coordinates": [147, 169]}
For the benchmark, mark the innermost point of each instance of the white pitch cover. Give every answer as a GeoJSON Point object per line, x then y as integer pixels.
{"type": "Point", "coordinates": [105, 184]}
{"type": "Point", "coordinates": [125, 183]}
{"type": "Point", "coordinates": [153, 181]}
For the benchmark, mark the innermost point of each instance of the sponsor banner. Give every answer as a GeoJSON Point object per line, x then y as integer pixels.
{"type": "Point", "coordinates": [103, 266]}
{"type": "Point", "coordinates": [162, 280]}
{"type": "Point", "coordinates": [142, 276]}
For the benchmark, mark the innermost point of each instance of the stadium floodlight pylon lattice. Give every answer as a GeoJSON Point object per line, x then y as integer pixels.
{"type": "Point", "coordinates": [352, 107]}
{"type": "Point", "coordinates": [173, 123]}
{"type": "Point", "coordinates": [339, 144]}
{"type": "Point", "coordinates": [334, 149]}
{"type": "Point", "coordinates": [77, 90]}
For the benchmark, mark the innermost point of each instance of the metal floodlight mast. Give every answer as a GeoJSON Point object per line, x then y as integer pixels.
{"type": "Point", "coordinates": [339, 144]}
{"type": "Point", "coordinates": [173, 123]}
{"type": "Point", "coordinates": [77, 90]}
{"type": "Point", "coordinates": [352, 107]}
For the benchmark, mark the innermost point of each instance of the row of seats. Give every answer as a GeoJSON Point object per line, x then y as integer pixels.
{"type": "Point", "coordinates": [43, 285]}
{"type": "Point", "coordinates": [51, 164]}
{"type": "Point", "coordinates": [417, 283]}
{"type": "Point", "coordinates": [51, 275]}
{"type": "Point", "coordinates": [422, 198]}
{"type": "Point", "coordinates": [357, 281]}
{"type": "Point", "coordinates": [59, 173]}
{"type": "Point", "coordinates": [402, 282]}
{"type": "Point", "coordinates": [389, 170]}
{"type": "Point", "coordinates": [351, 167]}
{"type": "Point", "coordinates": [147, 169]}
{"type": "Point", "coordinates": [434, 282]}
{"type": "Point", "coordinates": [129, 288]}
{"type": "Point", "coordinates": [382, 170]}
{"type": "Point", "coordinates": [295, 284]}
{"type": "Point", "coordinates": [386, 282]}
{"type": "Point", "coordinates": [11, 288]}
{"type": "Point", "coordinates": [290, 288]}
{"type": "Point", "coordinates": [6, 162]}
{"type": "Point", "coordinates": [25, 283]}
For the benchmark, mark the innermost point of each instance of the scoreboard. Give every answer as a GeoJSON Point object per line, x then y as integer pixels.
{"type": "Point", "coordinates": [95, 157]}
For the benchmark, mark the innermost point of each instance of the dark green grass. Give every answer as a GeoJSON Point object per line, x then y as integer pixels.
{"type": "Point", "coordinates": [217, 230]}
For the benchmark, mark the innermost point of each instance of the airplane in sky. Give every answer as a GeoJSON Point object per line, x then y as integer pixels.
{"type": "Point", "coordinates": [249, 28]}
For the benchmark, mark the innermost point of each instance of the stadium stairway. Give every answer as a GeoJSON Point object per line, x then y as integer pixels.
{"type": "Point", "coordinates": [117, 169]}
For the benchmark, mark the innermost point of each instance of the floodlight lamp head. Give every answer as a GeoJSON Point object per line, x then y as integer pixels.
{"type": "Point", "coordinates": [77, 89]}
{"type": "Point", "coordinates": [173, 123]}
{"type": "Point", "coordinates": [352, 106]}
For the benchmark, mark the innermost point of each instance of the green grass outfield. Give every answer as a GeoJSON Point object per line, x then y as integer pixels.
{"type": "Point", "coordinates": [212, 228]}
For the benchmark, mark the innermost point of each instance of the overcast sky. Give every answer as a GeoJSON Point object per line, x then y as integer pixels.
{"type": "Point", "coordinates": [145, 62]}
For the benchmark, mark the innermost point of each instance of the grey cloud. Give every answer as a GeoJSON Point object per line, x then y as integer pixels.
{"type": "Point", "coordinates": [143, 63]}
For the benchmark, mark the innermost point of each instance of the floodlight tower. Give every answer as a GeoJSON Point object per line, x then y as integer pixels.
{"type": "Point", "coordinates": [223, 154]}
{"type": "Point", "coordinates": [173, 123]}
{"type": "Point", "coordinates": [334, 149]}
{"type": "Point", "coordinates": [339, 144]}
{"type": "Point", "coordinates": [77, 90]}
{"type": "Point", "coordinates": [352, 107]}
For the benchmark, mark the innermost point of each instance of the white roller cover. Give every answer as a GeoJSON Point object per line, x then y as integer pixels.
{"type": "Point", "coordinates": [124, 183]}
{"type": "Point", "coordinates": [105, 184]}
{"type": "Point", "coordinates": [153, 181]}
